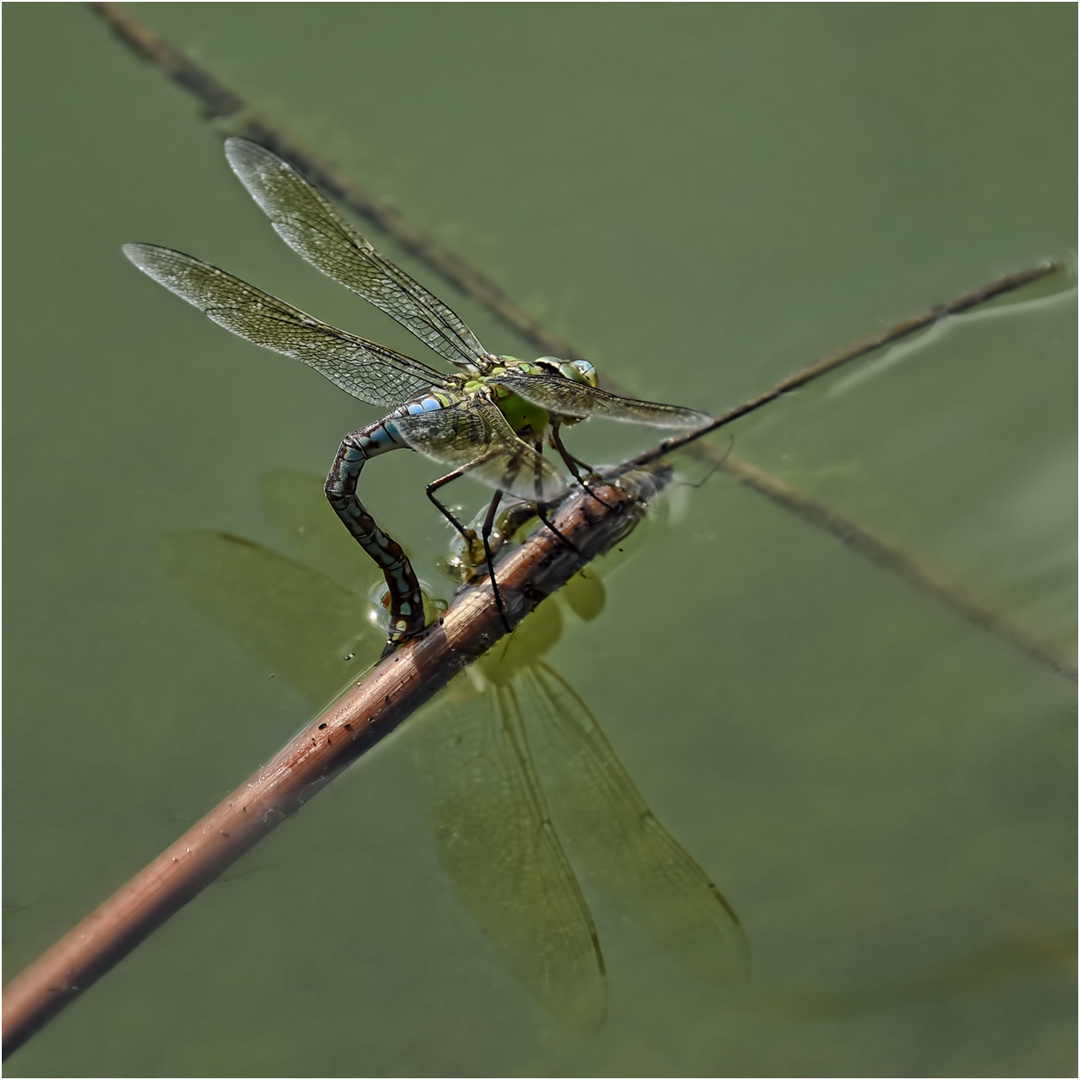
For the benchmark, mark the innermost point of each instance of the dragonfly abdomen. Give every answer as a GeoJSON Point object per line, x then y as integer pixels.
{"type": "Point", "coordinates": [384, 436]}
{"type": "Point", "coordinates": [406, 601]}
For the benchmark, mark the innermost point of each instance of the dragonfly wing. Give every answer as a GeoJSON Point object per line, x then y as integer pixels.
{"type": "Point", "coordinates": [296, 504]}
{"type": "Point", "coordinates": [473, 434]}
{"type": "Point", "coordinates": [494, 837]}
{"type": "Point", "coordinates": [300, 624]}
{"type": "Point", "coordinates": [316, 231]}
{"type": "Point", "coordinates": [614, 838]}
{"type": "Point", "coordinates": [569, 398]}
{"type": "Point", "coordinates": [368, 371]}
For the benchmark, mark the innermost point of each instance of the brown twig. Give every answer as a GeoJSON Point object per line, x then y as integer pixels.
{"type": "Point", "coordinates": [858, 537]}
{"type": "Point", "coordinates": [829, 364]}
{"type": "Point", "coordinates": [220, 102]}
{"type": "Point", "coordinates": [889, 557]}
{"type": "Point", "coordinates": [394, 689]}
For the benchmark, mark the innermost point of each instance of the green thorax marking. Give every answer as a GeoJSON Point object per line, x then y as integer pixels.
{"type": "Point", "coordinates": [523, 416]}
{"type": "Point", "coordinates": [527, 419]}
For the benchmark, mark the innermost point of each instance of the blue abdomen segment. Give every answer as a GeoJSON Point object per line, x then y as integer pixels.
{"type": "Point", "coordinates": [378, 439]}
{"type": "Point", "coordinates": [420, 405]}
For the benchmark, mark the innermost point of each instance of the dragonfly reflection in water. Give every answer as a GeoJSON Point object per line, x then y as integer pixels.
{"type": "Point", "coordinates": [513, 763]}
{"type": "Point", "coordinates": [490, 421]}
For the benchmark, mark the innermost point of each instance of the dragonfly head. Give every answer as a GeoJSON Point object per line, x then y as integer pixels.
{"type": "Point", "coordinates": [577, 370]}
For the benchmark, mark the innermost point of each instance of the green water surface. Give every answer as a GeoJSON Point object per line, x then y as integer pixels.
{"type": "Point", "coordinates": [703, 198]}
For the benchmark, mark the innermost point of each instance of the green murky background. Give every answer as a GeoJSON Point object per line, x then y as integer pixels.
{"type": "Point", "coordinates": [702, 198]}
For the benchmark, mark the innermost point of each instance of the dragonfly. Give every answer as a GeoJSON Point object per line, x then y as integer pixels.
{"type": "Point", "coordinates": [526, 796]}
{"type": "Point", "coordinates": [490, 419]}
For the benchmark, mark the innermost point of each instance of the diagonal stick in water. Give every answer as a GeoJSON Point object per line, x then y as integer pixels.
{"type": "Point", "coordinates": [388, 695]}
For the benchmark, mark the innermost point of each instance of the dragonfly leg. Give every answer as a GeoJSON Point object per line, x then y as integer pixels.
{"type": "Point", "coordinates": [541, 513]}
{"type": "Point", "coordinates": [467, 534]}
{"type": "Point", "coordinates": [572, 463]}
{"type": "Point", "coordinates": [406, 601]}
{"type": "Point", "coordinates": [485, 536]}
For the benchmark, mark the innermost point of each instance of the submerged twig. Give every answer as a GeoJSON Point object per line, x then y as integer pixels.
{"type": "Point", "coordinates": [222, 103]}
{"type": "Point", "coordinates": [892, 558]}
{"type": "Point", "coordinates": [392, 691]}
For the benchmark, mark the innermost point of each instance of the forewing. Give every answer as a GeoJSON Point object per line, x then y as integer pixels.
{"type": "Point", "coordinates": [495, 839]}
{"type": "Point", "coordinates": [316, 231]}
{"type": "Point", "coordinates": [370, 372]}
{"type": "Point", "coordinates": [613, 836]}
{"type": "Point", "coordinates": [474, 435]}
{"type": "Point", "coordinates": [570, 398]}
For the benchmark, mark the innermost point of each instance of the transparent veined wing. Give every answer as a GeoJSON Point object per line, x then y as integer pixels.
{"type": "Point", "coordinates": [295, 502]}
{"type": "Point", "coordinates": [298, 622]}
{"type": "Point", "coordinates": [472, 433]}
{"type": "Point", "coordinates": [370, 372]}
{"type": "Point", "coordinates": [319, 233]}
{"type": "Point", "coordinates": [570, 398]}
{"type": "Point", "coordinates": [494, 835]}
{"type": "Point", "coordinates": [614, 838]}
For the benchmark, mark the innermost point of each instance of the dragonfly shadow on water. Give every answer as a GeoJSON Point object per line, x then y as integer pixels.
{"type": "Point", "coordinates": [522, 785]}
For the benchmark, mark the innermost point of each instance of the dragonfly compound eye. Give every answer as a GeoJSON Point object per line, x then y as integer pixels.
{"type": "Point", "coordinates": [580, 371]}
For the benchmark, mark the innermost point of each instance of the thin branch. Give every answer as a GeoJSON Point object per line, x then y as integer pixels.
{"type": "Point", "coordinates": [222, 103]}
{"type": "Point", "coordinates": [889, 557]}
{"type": "Point", "coordinates": [855, 536]}
{"type": "Point", "coordinates": [410, 677]}
{"type": "Point", "coordinates": [807, 375]}
{"type": "Point", "coordinates": [391, 692]}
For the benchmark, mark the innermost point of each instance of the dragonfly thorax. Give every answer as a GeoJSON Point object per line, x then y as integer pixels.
{"type": "Point", "coordinates": [529, 421]}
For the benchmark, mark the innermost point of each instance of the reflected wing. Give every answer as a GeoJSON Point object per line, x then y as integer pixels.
{"type": "Point", "coordinates": [495, 838]}
{"type": "Point", "coordinates": [473, 434]}
{"type": "Point", "coordinates": [370, 372]}
{"type": "Point", "coordinates": [315, 230]}
{"type": "Point", "coordinates": [570, 398]}
{"type": "Point", "coordinates": [296, 504]}
{"type": "Point", "coordinates": [301, 624]}
{"type": "Point", "coordinates": [614, 837]}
